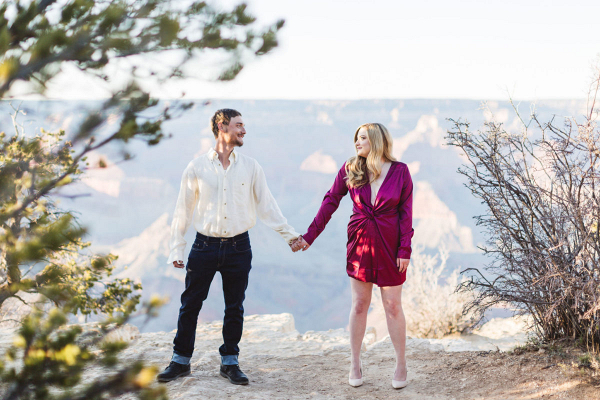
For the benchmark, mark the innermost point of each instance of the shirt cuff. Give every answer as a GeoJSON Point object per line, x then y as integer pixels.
{"type": "Point", "coordinates": [175, 255]}
{"type": "Point", "coordinates": [290, 236]}
{"type": "Point", "coordinates": [404, 252]}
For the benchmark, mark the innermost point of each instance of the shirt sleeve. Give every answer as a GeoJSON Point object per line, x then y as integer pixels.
{"type": "Point", "coordinates": [330, 203]}
{"type": "Point", "coordinates": [405, 211]}
{"type": "Point", "coordinates": [184, 211]}
{"type": "Point", "coordinates": [267, 209]}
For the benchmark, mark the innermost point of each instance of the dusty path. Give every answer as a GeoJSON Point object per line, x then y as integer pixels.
{"type": "Point", "coordinates": [433, 375]}
{"type": "Point", "coordinates": [282, 364]}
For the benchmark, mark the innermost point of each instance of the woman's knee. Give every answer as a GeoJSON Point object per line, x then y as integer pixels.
{"type": "Point", "coordinates": [361, 305]}
{"type": "Point", "coordinates": [393, 308]}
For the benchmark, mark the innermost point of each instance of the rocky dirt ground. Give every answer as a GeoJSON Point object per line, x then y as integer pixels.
{"type": "Point", "coordinates": [283, 364]}
{"type": "Point", "coordinates": [462, 375]}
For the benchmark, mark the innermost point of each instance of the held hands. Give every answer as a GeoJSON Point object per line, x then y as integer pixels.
{"type": "Point", "coordinates": [298, 244]}
{"type": "Point", "coordinates": [402, 264]}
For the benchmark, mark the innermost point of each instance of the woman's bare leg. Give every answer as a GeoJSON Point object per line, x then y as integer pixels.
{"type": "Point", "coordinates": [392, 304]}
{"type": "Point", "coordinates": [361, 301]}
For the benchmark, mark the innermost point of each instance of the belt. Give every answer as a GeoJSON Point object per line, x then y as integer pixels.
{"type": "Point", "coordinates": [205, 238]}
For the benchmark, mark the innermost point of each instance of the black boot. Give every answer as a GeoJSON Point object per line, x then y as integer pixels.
{"type": "Point", "coordinates": [234, 374]}
{"type": "Point", "coordinates": [173, 371]}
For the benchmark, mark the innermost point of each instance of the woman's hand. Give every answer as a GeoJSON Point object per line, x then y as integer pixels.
{"type": "Point", "coordinates": [402, 264]}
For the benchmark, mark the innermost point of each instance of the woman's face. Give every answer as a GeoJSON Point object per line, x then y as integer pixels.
{"type": "Point", "coordinates": [363, 147]}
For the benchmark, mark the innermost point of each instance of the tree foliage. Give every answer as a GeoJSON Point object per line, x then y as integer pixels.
{"type": "Point", "coordinates": [42, 250]}
{"type": "Point", "coordinates": [541, 189]}
{"type": "Point", "coordinates": [48, 360]}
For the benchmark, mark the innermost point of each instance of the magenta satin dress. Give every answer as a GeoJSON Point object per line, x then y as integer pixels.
{"type": "Point", "coordinates": [377, 234]}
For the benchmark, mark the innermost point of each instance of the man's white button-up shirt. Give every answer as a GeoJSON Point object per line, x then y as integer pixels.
{"type": "Point", "coordinates": [226, 202]}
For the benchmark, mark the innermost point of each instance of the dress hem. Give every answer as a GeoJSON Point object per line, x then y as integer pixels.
{"type": "Point", "coordinates": [402, 279]}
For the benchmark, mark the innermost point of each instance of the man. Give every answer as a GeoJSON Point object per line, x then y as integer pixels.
{"type": "Point", "coordinates": [228, 190]}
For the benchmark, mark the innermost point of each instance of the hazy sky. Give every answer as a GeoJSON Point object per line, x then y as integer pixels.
{"type": "Point", "coordinates": [329, 49]}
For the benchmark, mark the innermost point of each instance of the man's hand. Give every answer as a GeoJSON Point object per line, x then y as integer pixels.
{"type": "Point", "coordinates": [178, 264]}
{"type": "Point", "coordinates": [295, 245]}
{"type": "Point", "coordinates": [299, 243]}
{"type": "Point", "coordinates": [402, 264]}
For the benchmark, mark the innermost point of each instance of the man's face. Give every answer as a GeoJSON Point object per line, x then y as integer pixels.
{"type": "Point", "coordinates": [234, 132]}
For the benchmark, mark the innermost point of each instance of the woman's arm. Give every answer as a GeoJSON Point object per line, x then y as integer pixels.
{"type": "Point", "coordinates": [405, 211]}
{"type": "Point", "coordinates": [330, 203]}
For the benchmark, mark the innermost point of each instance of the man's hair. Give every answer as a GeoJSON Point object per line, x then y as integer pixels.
{"type": "Point", "coordinates": [223, 115]}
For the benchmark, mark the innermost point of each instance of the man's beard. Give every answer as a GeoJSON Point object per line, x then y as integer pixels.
{"type": "Point", "coordinates": [236, 140]}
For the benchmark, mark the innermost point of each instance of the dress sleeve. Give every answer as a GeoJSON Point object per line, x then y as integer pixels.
{"type": "Point", "coordinates": [405, 211]}
{"type": "Point", "coordinates": [184, 211]}
{"type": "Point", "coordinates": [330, 204]}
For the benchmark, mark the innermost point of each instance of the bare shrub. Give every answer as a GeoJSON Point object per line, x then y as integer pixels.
{"type": "Point", "coordinates": [432, 307]}
{"type": "Point", "coordinates": [541, 189]}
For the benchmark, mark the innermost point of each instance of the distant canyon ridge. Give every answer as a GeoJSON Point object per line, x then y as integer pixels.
{"type": "Point", "coordinates": [301, 145]}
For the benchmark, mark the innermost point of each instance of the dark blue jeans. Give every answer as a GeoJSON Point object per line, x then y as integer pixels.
{"type": "Point", "coordinates": [232, 258]}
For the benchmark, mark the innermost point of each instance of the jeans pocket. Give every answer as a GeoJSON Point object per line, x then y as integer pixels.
{"type": "Point", "coordinates": [200, 246]}
{"type": "Point", "coordinates": [241, 246]}
{"type": "Point", "coordinates": [203, 256]}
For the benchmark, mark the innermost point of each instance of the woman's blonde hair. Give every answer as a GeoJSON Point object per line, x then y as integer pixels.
{"type": "Point", "coordinates": [357, 167]}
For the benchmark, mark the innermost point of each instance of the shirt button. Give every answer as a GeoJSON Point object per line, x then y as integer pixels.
{"type": "Point", "coordinates": [225, 204]}
{"type": "Point", "coordinates": [225, 217]}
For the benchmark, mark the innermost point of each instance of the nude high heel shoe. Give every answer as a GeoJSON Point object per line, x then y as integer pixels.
{"type": "Point", "coordinates": [399, 384]}
{"type": "Point", "coordinates": [356, 382]}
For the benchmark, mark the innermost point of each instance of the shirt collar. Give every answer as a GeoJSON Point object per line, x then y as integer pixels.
{"type": "Point", "coordinates": [212, 154]}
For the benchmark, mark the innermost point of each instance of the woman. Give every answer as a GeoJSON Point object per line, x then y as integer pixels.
{"type": "Point", "coordinates": [379, 238]}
